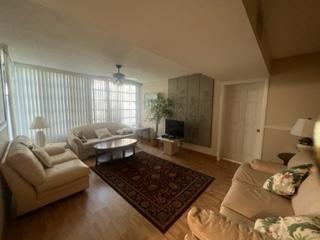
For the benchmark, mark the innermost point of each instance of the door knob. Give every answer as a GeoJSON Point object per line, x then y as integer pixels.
{"type": "Point", "coordinates": [258, 130]}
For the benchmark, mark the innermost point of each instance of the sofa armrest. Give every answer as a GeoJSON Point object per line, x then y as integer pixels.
{"type": "Point", "coordinates": [207, 225]}
{"type": "Point", "coordinates": [75, 143]}
{"type": "Point", "coordinates": [267, 167]}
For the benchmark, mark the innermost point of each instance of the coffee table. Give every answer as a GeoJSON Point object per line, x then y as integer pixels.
{"type": "Point", "coordinates": [115, 146]}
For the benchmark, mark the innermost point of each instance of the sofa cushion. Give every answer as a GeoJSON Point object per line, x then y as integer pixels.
{"type": "Point", "coordinates": [206, 224]}
{"type": "Point", "coordinates": [67, 155]}
{"type": "Point", "coordinates": [248, 175]}
{"type": "Point", "coordinates": [286, 182]}
{"type": "Point", "coordinates": [62, 174]}
{"type": "Point", "coordinates": [91, 142]}
{"type": "Point", "coordinates": [42, 156]}
{"type": "Point", "coordinates": [102, 133]}
{"type": "Point", "coordinates": [301, 157]}
{"type": "Point", "coordinates": [124, 131]}
{"type": "Point", "coordinates": [88, 130]}
{"type": "Point", "coordinates": [307, 200]}
{"type": "Point", "coordinates": [54, 149]}
{"type": "Point", "coordinates": [21, 159]}
{"type": "Point", "coordinates": [254, 202]}
{"type": "Point", "coordinates": [113, 127]}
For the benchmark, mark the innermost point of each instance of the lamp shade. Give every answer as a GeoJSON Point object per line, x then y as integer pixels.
{"type": "Point", "coordinates": [39, 123]}
{"type": "Point", "coordinates": [303, 128]}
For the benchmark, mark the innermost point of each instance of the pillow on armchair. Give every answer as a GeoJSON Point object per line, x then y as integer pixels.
{"type": "Point", "coordinates": [42, 156]}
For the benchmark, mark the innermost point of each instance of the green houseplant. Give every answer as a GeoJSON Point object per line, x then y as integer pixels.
{"type": "Point", "coordinates": [159, 108]}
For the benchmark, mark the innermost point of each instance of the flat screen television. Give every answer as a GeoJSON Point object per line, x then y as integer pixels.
{"type": "Point", "coordinates": [175, 128]}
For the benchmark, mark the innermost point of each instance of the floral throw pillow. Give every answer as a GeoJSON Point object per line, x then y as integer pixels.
{"type": "Point", "coordinates": [290, 228]}
{"type": "Point", "coordinates": [286, 182]}
{"type": "Point", "coordinates": [269, 226]}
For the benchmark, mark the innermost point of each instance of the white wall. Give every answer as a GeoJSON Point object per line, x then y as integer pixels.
{"type": "Point", "coordinates": [162, 86]}
{"type": "Point", "coordinates": [294, 92]}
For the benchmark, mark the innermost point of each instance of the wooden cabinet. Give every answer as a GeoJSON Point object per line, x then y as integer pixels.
{"type": "Point", "coordinates": [192, 96]}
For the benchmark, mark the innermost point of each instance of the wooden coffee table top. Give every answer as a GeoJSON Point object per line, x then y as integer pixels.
{"type": "Point", "coordinates": [115, 144]}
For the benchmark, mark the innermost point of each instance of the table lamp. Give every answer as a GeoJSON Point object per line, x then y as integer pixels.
{"type": "Point", "coordinates": [40, 123]}
{"type": "Point", "coordinates": [304, 128]}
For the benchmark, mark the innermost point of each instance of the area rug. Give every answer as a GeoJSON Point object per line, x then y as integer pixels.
{"type": "Point", "coordinates": [159, 189]}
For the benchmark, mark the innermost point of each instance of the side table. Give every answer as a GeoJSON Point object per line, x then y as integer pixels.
{"type": "Point", "coordinates": [285, 157]}
{"type": "Point", "coordinates": [170, 146]}
{"type": "Point", "coordinates": [141, 130]}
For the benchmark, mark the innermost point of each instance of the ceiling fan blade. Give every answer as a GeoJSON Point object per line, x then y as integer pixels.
{"type": "Point", "coordinates": [131, 78]}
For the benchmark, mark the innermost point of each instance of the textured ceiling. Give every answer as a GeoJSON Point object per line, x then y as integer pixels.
{"type": "Point", "coordinates": [293, 26]}
{"type": "Point", "coordinates": [155, 40]}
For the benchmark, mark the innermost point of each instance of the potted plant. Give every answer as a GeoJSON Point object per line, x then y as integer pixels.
{"type": "Point", "coordinates": [159, 108]}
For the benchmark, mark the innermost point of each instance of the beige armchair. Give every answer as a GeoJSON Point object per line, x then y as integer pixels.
{"type": "Point", "coordinates": [33, 185]}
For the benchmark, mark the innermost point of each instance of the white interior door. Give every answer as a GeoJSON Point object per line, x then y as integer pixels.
{"type": "Point", "coordinates": [241, 136]}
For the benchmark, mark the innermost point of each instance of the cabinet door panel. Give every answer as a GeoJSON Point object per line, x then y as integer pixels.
{"type": "Point", "coordinates": [192, 96]}
{"type": "Point", "coordinates": [205, 111]}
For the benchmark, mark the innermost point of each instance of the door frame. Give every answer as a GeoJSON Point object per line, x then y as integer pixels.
{"type": "Point", "coordinates": [223, 85]}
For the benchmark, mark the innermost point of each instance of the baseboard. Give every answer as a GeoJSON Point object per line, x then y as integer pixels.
{"type": "Point", "coordinates": [230, 160]}
{"type": "Point", "coordinates": [201, 154]}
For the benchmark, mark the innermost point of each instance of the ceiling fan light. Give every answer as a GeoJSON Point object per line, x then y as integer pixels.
{"type": "Point", "coordinates": [118, 76]}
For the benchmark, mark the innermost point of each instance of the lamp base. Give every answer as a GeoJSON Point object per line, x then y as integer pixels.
{"type": "Point", "coordinates": [40, 138]}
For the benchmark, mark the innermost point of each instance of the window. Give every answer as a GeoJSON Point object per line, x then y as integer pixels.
{"type": "Point", "coordinates": [116, 103]}
{"type": "Point", "coordinates": [68, 100]}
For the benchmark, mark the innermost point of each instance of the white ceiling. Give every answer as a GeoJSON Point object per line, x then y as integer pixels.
{"type": "Point", "coordinates": [293, 26]}
{"type": "Point", "coordinates": [155, 40]}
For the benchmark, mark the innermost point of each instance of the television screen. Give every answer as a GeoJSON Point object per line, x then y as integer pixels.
{"type": "Point", "coordinates": [175, 128]}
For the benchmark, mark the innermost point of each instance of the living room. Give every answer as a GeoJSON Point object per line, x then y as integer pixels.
{"type": "Point", "coordinates": [160, 120]}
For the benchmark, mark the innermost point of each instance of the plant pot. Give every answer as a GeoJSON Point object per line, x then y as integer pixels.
{"type": "Point", "coordinates": [154, 142]}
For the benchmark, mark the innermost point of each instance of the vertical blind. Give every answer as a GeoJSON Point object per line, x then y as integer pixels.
{"type": "Point", "coordinates": [68, 100]}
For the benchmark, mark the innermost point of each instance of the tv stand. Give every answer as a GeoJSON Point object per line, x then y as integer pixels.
{"type": "Point", "coordinates": [170, 146]}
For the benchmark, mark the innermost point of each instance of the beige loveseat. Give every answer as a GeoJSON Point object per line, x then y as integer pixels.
{"type": "Point", "coordinates": [246, 201]}
{"type": "Point", "coordinates": [33, 185]}
{"type": "Point", "coordinates": [85, 149]}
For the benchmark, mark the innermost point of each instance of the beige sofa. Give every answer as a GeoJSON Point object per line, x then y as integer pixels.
{"type": "Point", "coordinates": [86, 150]}
{"type": "Point", "coordinates": [246, 201]}
{"type": "Point", "coordinates": [34, 186]}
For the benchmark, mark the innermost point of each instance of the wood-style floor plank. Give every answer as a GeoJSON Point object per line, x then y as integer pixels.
{"type": "Point", "coordinates": [101, 213]}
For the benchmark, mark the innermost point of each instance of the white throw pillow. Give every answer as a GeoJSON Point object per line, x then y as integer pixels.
{"type": "Point", "coordinates": [103, 133]}
{"type": "Point", "coordinates": [43, 156]}
{"type": "Point", "coordinates": [124, 131]}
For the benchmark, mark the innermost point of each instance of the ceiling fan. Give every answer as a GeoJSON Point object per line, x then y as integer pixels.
{"type": "Point", "coordinates": [119, 77]}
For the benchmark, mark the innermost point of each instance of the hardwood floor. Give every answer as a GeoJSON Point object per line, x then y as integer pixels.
{"type": "Point", "coordinates": [101, 213]}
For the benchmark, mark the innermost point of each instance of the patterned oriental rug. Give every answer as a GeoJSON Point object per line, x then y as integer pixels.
{"type": "Point", "coordinates": [159, 189]}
